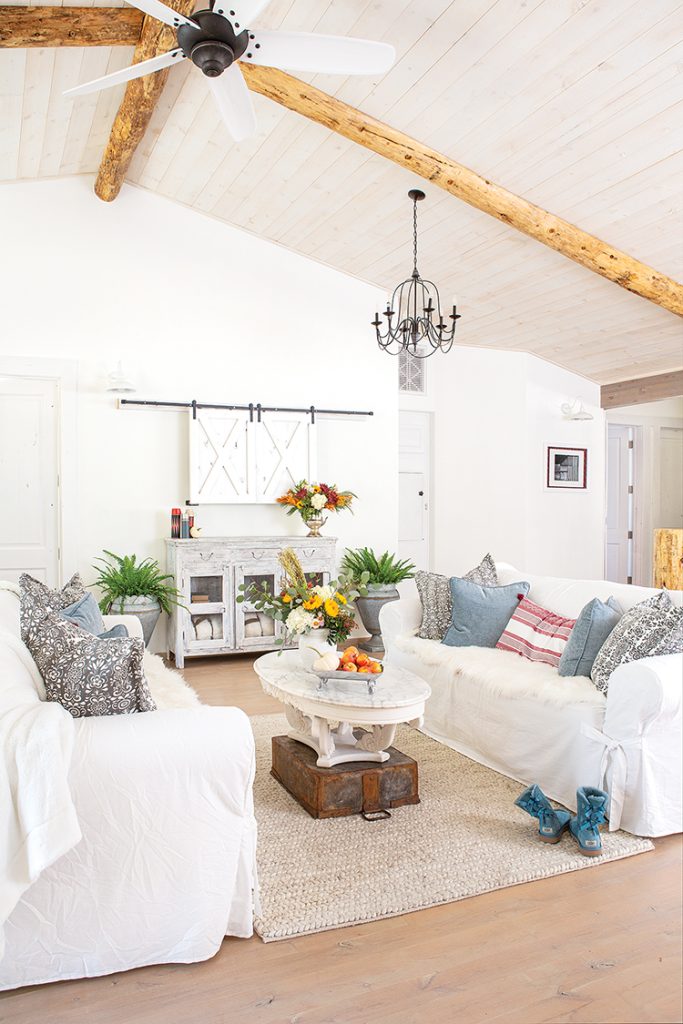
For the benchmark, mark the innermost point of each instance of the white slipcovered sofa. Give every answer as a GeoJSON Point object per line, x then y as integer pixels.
{"type": "Point", "coordinates": [125, 840]}
{"type": "Point", "coordinates": [529, 723]}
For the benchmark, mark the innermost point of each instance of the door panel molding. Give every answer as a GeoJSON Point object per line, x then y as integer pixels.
{"type": "Point", "coordinates": [64, 372]}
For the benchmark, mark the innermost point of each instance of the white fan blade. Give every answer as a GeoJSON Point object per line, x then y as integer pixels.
{"type": "Point", "coordinates": [307, 51]}
{"type": "Point", "coordinates": [144, 67]}
{"type": "Point", "coordinates": [162, 13]}
{"type": "Point", "coordinates": [240, 13]}
{"type": "Point", "coordinates": [234, 103]}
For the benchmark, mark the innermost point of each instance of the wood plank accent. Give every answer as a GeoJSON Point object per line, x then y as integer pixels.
{"type": "Point", "coordinates": [137, 106]}
{"type": "Point", "coordinates": [467, 185]}
{"type": "Point", "coordinates": [642, 389]}
{"type": "Point", "coordinates": [22, 27]}
{"type": "Point", "coordinates": [668, 559]}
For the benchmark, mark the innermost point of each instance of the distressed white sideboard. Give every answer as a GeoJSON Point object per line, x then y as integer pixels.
{"type": "Point", "coordinates": [208, 573]}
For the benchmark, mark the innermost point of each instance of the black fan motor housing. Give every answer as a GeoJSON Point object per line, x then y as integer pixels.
{"type": "Point", "coordinates": [214, 45]}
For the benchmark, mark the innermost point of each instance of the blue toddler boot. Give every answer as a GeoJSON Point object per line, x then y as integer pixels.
{"type": "Point", "coordinates": [590, 815]}
{"type": "Point", "coordinates": [552, 823]}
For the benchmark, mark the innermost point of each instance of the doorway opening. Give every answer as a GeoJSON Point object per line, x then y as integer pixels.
{"type": "Point", "coordinates": [644, 491]}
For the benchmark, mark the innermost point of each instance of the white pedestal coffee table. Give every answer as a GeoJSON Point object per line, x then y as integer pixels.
{"type": "Point", "coordinates": [322, 715]}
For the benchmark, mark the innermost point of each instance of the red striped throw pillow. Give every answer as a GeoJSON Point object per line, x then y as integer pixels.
{"type": "Point", "coordinates": [535, 633]}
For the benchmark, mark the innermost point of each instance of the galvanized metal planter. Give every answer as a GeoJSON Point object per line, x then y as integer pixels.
{"type": "Point", "coordinates": [146, 610]}
{"type": "Point", "coordinates": [369, 608]}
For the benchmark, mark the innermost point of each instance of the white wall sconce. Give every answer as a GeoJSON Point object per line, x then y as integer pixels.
{"type": "Point", "coordinates": [119, 382]}
{"type": "Point", "coordinates": [575, 411]}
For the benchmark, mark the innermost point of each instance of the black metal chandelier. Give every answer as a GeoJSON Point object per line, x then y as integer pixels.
{"type": "Point", "coordinates": [414, 322]}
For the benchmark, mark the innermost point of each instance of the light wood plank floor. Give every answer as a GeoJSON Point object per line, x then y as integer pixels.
{"type": "Point", "coordinates": [598, 946]}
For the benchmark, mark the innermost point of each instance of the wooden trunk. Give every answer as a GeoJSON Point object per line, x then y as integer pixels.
{"type": "Point", "coordinates": [668, 559]}
{"type": "Point", "coordinates": [347, 788]}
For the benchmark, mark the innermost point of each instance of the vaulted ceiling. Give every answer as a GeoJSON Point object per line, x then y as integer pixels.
{"type": "Point", "coordinates": [574, 104]}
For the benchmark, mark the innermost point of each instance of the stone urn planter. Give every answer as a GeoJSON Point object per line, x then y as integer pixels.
{"type": "Point", "coordinates": [146, 609]}
{"type": "Point", "coordinates": [369, 608]}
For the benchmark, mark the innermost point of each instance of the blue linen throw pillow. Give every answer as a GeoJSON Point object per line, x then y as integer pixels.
{"type": "Point", "coordinates": [595, 623]}
{"type": "Point", "coordinates": [480, 614]}
{"type": "Point", "coordinates": [85, 613]}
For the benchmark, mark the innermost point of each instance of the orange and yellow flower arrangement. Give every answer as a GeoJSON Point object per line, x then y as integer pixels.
{"type": "Point", "coordinates": [310, 501]}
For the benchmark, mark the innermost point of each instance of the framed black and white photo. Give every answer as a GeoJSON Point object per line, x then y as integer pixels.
{"type": "Point", "coordinates": [567, 468]}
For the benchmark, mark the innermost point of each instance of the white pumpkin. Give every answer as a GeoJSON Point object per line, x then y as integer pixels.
{"type": "Point", "coordinates": [328, 662]}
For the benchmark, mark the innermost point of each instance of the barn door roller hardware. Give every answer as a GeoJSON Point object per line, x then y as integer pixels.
{"type": "Point", "coordinates": [253, 409]}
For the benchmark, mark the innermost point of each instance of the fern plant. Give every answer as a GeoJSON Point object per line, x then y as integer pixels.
{"type": "Point", "coordinates": [383, 571]}
{"type": "Point", "coordinates": [123, 576]}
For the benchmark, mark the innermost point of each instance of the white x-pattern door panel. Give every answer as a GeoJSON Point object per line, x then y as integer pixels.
{"type": "Point", "coordinates": [285, 453]}
{"type": "Point", "coordinates": [237, 460]}
{"type": "Point", "coordinates": [221, 458]}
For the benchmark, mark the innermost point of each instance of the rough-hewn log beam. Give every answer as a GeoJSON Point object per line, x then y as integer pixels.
{"type": "Point", "coordinates": [21, 27]}
{"type": "Point", "coordinates": [642, 389]}
{"type": "Point", "coordinates": [467, 185]}
{"type": "Point", "coordinates": [137, 105]}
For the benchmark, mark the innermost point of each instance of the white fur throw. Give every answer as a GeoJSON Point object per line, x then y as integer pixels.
{"type": "Point", "coordinates": [502, 673]}
{"type": "Point", "coordinates": [167, 686]}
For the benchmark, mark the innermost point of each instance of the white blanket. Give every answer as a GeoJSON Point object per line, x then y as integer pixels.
{"type": "Point", "coordinates": [504, 674]}
{"type": "Point", "coordinates": [38, 822]}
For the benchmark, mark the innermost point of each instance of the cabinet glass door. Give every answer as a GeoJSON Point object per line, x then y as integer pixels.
{"type": "Point", "coordinates": [254, 628]}
{"type": "Point", "coordinates": [207, 620]}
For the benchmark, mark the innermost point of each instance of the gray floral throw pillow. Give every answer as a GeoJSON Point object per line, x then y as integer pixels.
{"type": "Point", "coordinates": [86, 675]}
{"type": "Point", "coordinates": [435, 596]}
{"type": "Point", "coordinates": [37, 596]}
{"type": "Point", "coordinates": [654, 626]}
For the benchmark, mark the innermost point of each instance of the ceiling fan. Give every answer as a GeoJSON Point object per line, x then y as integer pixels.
{"type": "Point", "coordinates": [217, 38]}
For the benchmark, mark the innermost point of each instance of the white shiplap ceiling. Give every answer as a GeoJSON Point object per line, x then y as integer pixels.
{"type": "Point", "coordinates": [574, 104]}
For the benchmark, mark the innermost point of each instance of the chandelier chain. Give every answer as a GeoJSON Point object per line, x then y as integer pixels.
{"type": "Point", "coordinates": [415, 237]}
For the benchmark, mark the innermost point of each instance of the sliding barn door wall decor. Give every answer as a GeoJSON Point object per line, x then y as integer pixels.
{"type": "Point", "coordinates": [248, 454]}
{"type": "Point", "coordinates": [235, 459]}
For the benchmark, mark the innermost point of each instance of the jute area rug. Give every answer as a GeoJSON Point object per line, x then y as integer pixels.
{"type": "Point", "coordinates": [465, 837]}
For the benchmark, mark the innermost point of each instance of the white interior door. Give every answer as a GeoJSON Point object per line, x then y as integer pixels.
{"type": "Point", "coordinates": [670, 478]}
{"type": "Point", "coordinates": [619, 521]}
{"type": "Point", "coordinates": [413, 487]}
{"type": "Point", "coordinates": [29, 422]}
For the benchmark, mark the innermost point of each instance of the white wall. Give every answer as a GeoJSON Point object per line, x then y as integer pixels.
{"type": "Point", "coordinates": [195, 309]}
{"type": "Point", "coordinates": [494, 414]}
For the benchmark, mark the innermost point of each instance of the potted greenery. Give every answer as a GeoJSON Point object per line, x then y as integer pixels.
{"type": "Point", "coordinates": [136, 588]}
{"type": "Point", "coordinates": [382, 575]}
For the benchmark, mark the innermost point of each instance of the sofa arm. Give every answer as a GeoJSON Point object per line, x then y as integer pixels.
{"type": "Point", "coordinates": [645, 694]}
{"type": "Point", "coordinates": [401, 617]}
{"type": "Point", "coordinates": [172, 756]}
{"type": "Point", "coordinates": [642, 736]}
{"type": "Point", "coordinates": [165, 804]}
{"type": "Point", "coordinates": [131, 622]}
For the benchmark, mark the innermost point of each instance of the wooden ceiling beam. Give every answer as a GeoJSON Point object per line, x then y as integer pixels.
{"type": "Point", "coordinates": [467, 185]}
{"type": "Point", "coordinates": [22, 27]}
{"type": "Point", "coordinates": [137, 105]}
{"type": "Point", "coordinates": [642, 389]}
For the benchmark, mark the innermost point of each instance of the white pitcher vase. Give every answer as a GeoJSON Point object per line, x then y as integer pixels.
{"type": "Point", "coordinates": [314, 644]}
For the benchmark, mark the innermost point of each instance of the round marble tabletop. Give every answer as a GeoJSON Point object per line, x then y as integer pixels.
{"type": "Point", "coordinates": [395, 688]}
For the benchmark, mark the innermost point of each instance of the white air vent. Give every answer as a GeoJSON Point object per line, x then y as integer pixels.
{"type": "Point", "coordinates": [411, 374]}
